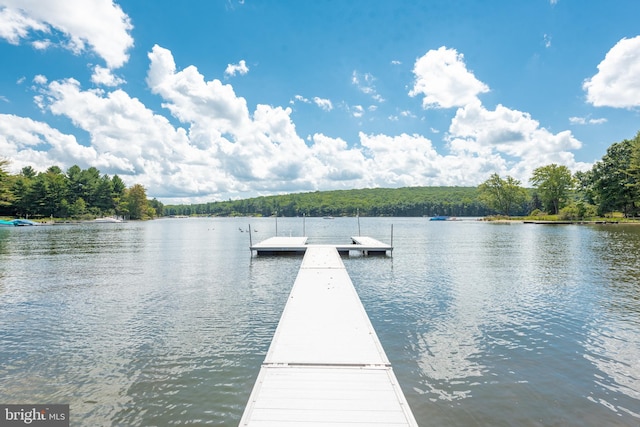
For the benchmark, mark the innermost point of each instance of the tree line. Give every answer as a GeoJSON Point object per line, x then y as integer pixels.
{"type": "Point", "coordinates": [77, 193]}
{"type": "Point", "coordinates": [409, 201]}
{"type": "Point", "coordinates": [611, 185]}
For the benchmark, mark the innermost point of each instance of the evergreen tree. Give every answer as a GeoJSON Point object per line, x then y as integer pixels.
{"type": "Point", "coordinates": [56, 188]}
{"type": "Point", "coordinates": [6, 196]}
{"type": "Point", "coordinates": [157, 207]}
{"type": "Point", "coordinates": [119, 189]}
{"type": "Point", "coordinates": [74, 183]}
{"type": "Point", "coordinates": [28, 172]}
{"type": "Point", "coordinates": [104, 195]}
{"type": "Point", "coordinates": [21, 190]}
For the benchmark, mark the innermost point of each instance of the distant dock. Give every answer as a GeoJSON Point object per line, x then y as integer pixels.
{"type": "Point", "coordinates": [293, 245]}
{"type": "Point", "coordinates": [325, 365]}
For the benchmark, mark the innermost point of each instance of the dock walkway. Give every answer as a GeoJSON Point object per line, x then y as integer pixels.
{"type": "Point", "coordinates": [325, 365]}
{"type": "Point", "coordinates": [280, 244]}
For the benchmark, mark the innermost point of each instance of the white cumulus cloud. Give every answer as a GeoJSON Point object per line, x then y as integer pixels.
{"type": "Point", "coordinates": [104, 76]}
{"type": "Point", "coordinates": [97, 25]}
{"type": "Point", "coordinates": [262, 150]}
{"type": "Point", "coordinates": [16, 25]}
{"type": "Point", "coordinates": [191, 99]}
{"type": "Point", "coordinates": [514, 136]}
{"type": "Point", "coordinates": [239, 68]}
{"type": "Point", "coordinates": [215, 147]}
{"type": "Point", "coordinates": [323, 103]}
{"type": "Point", "coordinates": [617, 82]}
{"type": "Point", "coordinates": [31, 143]}
{"type": "Point", "coordinates": [441, 76]}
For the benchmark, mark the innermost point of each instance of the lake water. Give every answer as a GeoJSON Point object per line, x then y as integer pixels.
{"type": "Point", "coordinates": [167, 322]}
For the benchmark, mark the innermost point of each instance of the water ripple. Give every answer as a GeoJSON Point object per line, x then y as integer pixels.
{"type": "Point", "coordinates": [167, 322]}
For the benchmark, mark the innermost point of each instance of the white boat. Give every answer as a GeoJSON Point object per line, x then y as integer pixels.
{"type": "Point", "coordinates": [108, 219]}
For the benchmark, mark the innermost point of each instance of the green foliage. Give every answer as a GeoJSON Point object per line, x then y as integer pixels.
{"type": "Point", "coordinates": [136, 201]}
{"type": "Point", "coordinates": [409, 201]}
{"type": "Point", "coordinates": [157, 208]}
{"type": "Point", "coordinates": [6, 197]}
{"type": "Point", "coordinates": [502, 195]}
{"type": "Point", "coordinates": [577, 211]}
{"type": "Point", "coordinates": [634, 173]}
{"type": "Point", "coordinates": [613, 182]}
{"type": "Point", "coordinates": [77, 193]}
{"type": "Point", "coordinates": [78, 208]}
{"type": "Point", "coordinates": [612, 185]}
{"type": "Point", "coordinates": [554, 184]}
{"type": "Point", "coordinates": [28, 172]}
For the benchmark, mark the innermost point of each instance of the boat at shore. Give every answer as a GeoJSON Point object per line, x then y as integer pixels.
{"type": "Point", "coordinates": [24, 222]}
{"type": "Point", "coordinates": [108, 219]}
{"type": "Point", "coordinates": [18, 223]}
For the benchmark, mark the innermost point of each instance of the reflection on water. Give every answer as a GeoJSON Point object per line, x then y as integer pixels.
{"type": "Point", "coordinates": [505, 324]}
{"type": "Point", "coordinates": [612, 343]}
{"type": "Point", "coordinates": [167, 322]}
{"type": "Point", "coordinates": [141, 323]}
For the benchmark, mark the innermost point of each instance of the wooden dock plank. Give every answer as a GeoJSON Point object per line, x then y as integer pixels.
{"type": "Point", "coordinates": [325, 365]}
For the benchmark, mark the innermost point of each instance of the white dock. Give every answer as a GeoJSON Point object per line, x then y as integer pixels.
{"type": "Point", "coordinates": [280, 245]}
{"type": "Point", "coordinates": [368, 245]}
{"type": "Point", "coordinates": [325, 365]}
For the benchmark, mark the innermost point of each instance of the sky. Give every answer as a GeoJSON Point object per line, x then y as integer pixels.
{"type": "Point", "coordinates": [207, 100]}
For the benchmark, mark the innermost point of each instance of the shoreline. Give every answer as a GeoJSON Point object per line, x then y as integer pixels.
{"type": "Point", "coordinates": [561, 222]}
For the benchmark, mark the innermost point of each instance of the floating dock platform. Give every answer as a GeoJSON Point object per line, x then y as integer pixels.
{"type": "Point", "coordinates": [293, 245]}
{"type": "Point", "coordinates": [325, 365]}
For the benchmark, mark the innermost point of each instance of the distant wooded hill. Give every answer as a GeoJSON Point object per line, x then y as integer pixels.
{"type": "Point", "coordinates": [408, 201]}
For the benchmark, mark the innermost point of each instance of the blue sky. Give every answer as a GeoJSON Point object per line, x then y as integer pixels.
{"type": "Point", "coordinates": [209, 100]}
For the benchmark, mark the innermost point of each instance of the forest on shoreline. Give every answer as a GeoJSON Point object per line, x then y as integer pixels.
{"type": "Point", "coordinates": [76, 194]}
{"type": "Point", "coordinates": [408, 201]}
{"type": "Point", "coordinates": [610, 188]}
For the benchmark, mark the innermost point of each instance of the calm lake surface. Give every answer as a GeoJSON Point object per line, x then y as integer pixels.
{"type": "Point", "coordinates": [167, 322]}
